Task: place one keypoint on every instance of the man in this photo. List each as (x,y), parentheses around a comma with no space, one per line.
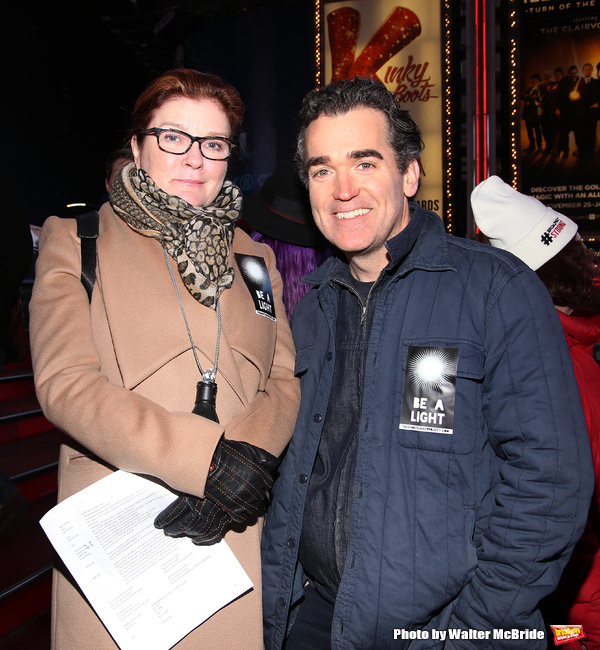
(547,109)
(569,106)
(532,99)
(587,118)
(439,473)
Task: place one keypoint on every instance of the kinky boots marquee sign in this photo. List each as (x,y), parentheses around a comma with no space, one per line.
(402,45)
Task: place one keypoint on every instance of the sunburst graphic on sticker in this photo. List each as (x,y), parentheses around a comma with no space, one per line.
(253,270)
(431,369)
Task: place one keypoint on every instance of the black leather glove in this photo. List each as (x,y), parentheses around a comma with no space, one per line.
(239,478)
(237,486)
(189,516)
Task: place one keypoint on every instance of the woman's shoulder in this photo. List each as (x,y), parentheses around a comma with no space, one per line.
(57,228)
(243,243)
(68,225)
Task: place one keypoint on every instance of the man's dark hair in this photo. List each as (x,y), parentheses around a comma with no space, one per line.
(345,95)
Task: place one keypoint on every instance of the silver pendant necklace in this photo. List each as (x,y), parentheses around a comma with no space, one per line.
(206,390)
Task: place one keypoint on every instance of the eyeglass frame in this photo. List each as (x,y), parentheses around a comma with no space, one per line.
(157,130)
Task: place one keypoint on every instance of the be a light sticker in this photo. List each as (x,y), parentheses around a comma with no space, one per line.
(429,390)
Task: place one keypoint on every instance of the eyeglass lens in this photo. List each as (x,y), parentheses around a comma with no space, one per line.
(179,143)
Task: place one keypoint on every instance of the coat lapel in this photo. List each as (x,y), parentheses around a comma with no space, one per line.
(143,312)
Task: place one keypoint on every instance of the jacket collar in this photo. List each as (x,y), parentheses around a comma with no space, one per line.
(423,244)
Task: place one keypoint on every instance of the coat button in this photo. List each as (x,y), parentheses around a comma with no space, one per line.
(291,543)
(303,478)
(329,356)
(281,602)
(317,417)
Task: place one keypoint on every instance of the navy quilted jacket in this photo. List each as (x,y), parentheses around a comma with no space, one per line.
(466,531)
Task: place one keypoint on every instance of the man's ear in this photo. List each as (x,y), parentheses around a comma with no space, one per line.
(411,178)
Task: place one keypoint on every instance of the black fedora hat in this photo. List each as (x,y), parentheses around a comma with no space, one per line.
(281,209)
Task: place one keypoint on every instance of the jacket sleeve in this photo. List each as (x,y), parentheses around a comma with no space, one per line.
(539,504)
(123,428)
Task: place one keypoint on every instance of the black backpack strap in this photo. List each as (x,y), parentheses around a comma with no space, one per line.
(87,231)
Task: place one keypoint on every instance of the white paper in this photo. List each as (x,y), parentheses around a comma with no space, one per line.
(149,590)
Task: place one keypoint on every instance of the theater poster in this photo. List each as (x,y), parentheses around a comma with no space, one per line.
(558,86)
(401,44)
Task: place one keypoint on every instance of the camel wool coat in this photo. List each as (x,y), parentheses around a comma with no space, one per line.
(118,377)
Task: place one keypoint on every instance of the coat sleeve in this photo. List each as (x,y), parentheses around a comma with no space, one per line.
(539,503)
(121,427)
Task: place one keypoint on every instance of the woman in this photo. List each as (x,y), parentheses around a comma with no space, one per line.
(118,375)
(549,244)
(573,282)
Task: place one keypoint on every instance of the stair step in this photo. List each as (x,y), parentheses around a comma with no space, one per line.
(26,458)
(16,379)
(16,387)
(12,368)
(25,549)
(34,634)
(40,486)
(21,416)
(26,558)
(21,406)
(25,606)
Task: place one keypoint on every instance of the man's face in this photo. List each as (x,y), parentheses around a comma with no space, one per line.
(574,73)
(587,70)
(358,196)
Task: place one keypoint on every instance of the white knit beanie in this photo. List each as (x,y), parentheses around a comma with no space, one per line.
(519,223)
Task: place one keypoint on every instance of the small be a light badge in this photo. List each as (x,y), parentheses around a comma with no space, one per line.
(256,276)
(565,633)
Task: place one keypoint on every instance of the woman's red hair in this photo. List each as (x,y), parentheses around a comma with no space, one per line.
(190,84)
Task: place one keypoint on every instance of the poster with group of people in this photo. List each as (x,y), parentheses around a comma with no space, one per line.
(399,43)
(559,92)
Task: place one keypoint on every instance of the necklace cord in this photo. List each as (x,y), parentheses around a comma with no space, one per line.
(211,373)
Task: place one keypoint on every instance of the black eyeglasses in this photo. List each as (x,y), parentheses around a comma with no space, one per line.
(179,142)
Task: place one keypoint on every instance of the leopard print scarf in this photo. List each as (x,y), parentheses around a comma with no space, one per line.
(198,239)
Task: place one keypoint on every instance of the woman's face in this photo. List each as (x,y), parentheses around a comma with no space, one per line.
(189,176)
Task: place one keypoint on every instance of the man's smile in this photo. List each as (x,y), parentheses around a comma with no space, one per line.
(351,215)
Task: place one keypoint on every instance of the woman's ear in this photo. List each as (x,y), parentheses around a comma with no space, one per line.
(135,148)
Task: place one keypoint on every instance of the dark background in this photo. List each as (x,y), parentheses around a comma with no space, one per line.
(72,70)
